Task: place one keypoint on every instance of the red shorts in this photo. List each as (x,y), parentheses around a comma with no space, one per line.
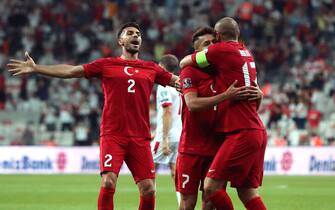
(240,159)
(134,151)
(191,171)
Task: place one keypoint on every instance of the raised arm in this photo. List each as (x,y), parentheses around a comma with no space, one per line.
(175,82)
(19,67)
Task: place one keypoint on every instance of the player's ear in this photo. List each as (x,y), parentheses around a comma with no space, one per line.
(120,41)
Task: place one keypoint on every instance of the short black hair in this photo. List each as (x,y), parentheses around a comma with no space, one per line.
(202,31)
(129,24)
(170,63)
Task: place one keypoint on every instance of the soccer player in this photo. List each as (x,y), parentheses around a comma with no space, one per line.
(125,135)
(166,141)
(241,156)
(198,142)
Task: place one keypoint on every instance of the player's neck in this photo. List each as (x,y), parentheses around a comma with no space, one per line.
(229,40)
(129,56)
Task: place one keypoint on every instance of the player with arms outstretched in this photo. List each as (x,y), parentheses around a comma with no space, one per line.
(198,142)
(240,159)
(127,82)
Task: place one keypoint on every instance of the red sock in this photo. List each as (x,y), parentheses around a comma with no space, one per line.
(255,204)
(105,201)
(147,203)
(221,200)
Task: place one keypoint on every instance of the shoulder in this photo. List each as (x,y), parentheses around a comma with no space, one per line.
(193,72)
(224,46)
(147,64)
(103,61)
(188,70)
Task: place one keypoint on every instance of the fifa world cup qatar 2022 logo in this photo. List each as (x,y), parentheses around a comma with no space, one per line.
(61,161)
(286,161)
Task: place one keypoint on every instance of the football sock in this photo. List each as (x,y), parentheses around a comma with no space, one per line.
(105,201)
(147,203)
(255,204)
(221,200)
(178,197)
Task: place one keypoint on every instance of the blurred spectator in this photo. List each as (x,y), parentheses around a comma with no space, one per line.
(81,135)
(28,135)
(2,91)
(66,118)
(50,142)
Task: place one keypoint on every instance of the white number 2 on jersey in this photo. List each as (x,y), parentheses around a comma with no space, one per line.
(108,160)
(131,86)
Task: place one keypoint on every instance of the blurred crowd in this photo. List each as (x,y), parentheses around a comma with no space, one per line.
(292,42)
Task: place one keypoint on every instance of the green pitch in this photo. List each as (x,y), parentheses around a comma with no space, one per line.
(79,192)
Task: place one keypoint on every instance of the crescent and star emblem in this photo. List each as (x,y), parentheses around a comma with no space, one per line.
(127,72)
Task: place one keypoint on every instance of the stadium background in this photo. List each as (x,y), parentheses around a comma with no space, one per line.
(292,42)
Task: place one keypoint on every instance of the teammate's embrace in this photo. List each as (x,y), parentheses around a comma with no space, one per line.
(240,159)
(198,142)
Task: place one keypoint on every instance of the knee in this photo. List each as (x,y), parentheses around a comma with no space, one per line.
(246,195)
(188,203)
(187,207)
(109,180)
(147,189)
(209,188)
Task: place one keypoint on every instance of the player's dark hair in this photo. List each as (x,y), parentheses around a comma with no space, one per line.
(129,24)
(170,63)
(202,31)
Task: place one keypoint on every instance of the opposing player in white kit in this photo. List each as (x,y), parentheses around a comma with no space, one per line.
(166,141)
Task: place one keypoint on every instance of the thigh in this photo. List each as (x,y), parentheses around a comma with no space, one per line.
(112,154)
(236,157)
(139,159)
(189,173)
(255,175)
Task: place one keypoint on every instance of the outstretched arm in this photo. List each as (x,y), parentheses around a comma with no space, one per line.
(175,82)
(19,67)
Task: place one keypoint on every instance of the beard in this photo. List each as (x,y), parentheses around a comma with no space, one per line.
(131,50)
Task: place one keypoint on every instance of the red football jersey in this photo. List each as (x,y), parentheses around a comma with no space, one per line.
(197,136)
(233,62)
(126,85)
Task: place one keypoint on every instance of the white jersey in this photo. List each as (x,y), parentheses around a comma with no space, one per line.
(168,96)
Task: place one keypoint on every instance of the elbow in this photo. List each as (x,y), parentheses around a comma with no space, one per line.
(192,107)
(182,64)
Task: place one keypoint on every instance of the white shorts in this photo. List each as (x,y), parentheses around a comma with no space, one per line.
(159,157)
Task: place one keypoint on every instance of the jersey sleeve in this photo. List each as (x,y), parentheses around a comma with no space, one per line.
(164,96)
(188,81)
(94,69)
(209,56)
(163,77)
